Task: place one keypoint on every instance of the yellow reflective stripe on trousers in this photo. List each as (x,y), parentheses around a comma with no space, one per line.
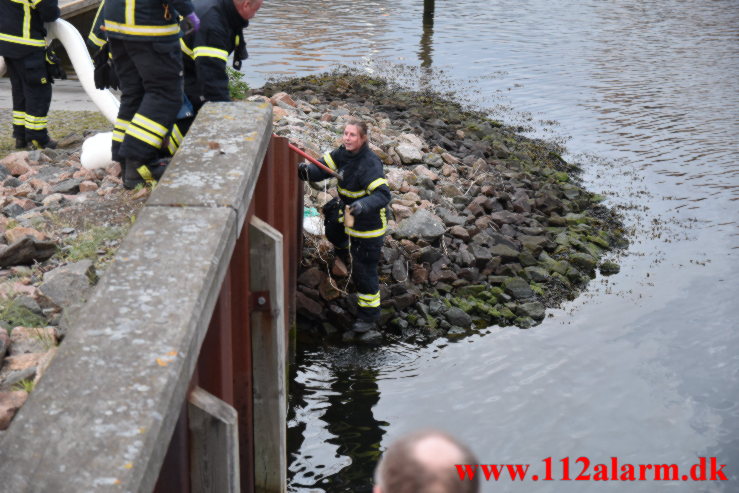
(19,118)
(375,184)
(144,136)
(175,139)
(330,161)
(120,129)
(372,233)
(36,122)
(186,49)
(23,41)
(350,194)
(149,125)
(201,51)
(134,30)
(368,300)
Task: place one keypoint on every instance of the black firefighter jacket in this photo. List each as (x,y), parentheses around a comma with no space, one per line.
(144,20)
(362,178)
(22,25)
(206,52)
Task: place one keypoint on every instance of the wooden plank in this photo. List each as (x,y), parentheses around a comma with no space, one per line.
(214,444)
(268,353)
(71,8)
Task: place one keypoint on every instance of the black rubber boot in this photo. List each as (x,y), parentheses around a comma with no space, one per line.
(20,143)
(131,176)
(49,144)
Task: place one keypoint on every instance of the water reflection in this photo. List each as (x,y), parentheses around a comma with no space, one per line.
(424,54)
(333,436)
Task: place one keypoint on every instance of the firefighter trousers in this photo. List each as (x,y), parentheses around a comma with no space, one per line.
(365,257)
(31,92)
(150,77)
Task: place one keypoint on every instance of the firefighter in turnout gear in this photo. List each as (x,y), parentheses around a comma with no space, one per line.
(364,193)
(22,45)
(206,52)
(144,41)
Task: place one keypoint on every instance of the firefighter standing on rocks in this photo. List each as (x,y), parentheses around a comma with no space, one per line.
(22,45)
(364,193)
(144,40)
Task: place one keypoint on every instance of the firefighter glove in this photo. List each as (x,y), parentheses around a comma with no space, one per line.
(304,171)
(191,22)
(357,208)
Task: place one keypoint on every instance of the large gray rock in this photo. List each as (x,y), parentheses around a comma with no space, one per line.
(10,402)
(32,340)
(518,288)
(457,317)
(372,337)
(69,283)
(584,261)
(421,225)
(504,251)
(307,307)
(25,251)
(408,153)
(532,309)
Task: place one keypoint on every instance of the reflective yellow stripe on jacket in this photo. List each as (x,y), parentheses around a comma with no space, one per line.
(135,30)
(186,49)
(209,51)
(330,161)
(372,233)
(28,41)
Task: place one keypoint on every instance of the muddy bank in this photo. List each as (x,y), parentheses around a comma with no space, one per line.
(486,227)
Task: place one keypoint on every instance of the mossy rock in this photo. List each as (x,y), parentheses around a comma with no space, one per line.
(472,290)
(609,268)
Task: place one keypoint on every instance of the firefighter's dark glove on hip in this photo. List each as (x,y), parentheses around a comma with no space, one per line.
(304,171)
(358,208)
(191,23)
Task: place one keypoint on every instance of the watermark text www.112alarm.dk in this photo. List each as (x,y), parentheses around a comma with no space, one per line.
(582,469)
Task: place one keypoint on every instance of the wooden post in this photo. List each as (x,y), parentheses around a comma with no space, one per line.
(214,449)
(268,353)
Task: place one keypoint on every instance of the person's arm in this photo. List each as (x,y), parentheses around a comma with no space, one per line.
(210,50)
(311,172)
(48,10)
(183,7)
(96,39)
(379,196)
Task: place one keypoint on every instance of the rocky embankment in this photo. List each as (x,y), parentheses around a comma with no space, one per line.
(59,224)
(486,227)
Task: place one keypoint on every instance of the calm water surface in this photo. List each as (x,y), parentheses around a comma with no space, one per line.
(644,366)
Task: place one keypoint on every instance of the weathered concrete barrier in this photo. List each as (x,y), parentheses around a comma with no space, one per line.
(102,417)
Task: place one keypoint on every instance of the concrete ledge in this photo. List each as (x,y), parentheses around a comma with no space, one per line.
(204,172)
(102,417)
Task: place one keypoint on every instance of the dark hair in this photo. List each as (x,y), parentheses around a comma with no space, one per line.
(400,471)
(360,124)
